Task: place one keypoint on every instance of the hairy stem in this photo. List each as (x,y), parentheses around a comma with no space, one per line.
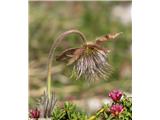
(52,52)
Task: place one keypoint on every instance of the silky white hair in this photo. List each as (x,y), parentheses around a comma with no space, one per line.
(93,66)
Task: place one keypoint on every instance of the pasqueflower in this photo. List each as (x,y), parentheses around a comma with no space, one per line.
(91,60)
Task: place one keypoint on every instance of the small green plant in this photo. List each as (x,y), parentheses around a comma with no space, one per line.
(120,108)
(90,62)
(68,112)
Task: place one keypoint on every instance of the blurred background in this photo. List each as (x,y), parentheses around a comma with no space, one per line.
(49,19)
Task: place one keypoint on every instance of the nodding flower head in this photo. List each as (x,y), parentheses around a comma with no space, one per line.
(91,60)
(92,63)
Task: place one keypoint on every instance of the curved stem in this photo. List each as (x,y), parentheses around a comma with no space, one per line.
(52,51)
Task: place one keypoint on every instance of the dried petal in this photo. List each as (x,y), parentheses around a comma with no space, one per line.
(104,38)
(77,53)
(68,53)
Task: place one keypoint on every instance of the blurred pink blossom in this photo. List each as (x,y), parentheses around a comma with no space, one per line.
(115,95)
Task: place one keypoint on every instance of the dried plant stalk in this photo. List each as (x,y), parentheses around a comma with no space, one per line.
(52,52)
(90,60)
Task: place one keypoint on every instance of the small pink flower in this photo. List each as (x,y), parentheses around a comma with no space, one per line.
(115,95)
(116,109)
(34,113)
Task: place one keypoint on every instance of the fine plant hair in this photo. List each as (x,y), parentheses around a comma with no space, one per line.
(46,105)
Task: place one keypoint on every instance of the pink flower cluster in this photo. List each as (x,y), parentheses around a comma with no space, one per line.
(115,95)
(116,109)
(34,113)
